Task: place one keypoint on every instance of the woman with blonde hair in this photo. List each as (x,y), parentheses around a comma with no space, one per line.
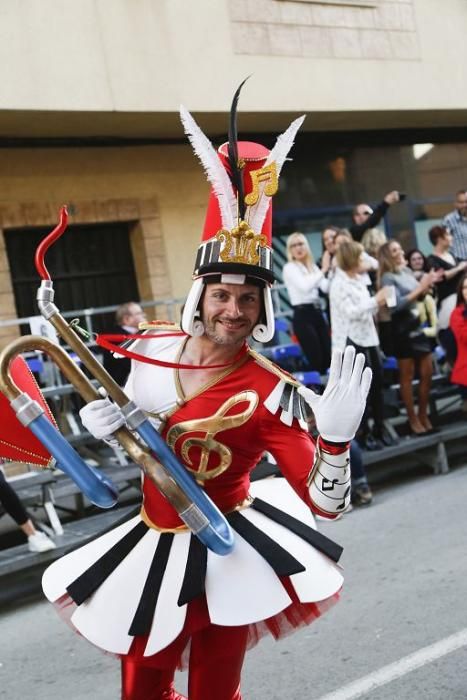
(352,323)
(372,240)
(410,345)
(303,280)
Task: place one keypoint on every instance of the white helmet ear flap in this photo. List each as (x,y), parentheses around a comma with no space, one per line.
(191,324)
(263,332)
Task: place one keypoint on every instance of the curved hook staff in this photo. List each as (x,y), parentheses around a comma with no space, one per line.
(49,240)
(192,504)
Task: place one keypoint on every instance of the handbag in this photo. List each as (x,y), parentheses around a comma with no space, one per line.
(407,329)
(405,322)
(420,343)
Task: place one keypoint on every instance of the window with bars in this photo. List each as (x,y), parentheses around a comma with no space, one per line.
(91,266)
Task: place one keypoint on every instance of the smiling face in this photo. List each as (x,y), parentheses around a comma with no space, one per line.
(361,213)
(397,254)
(329,240)
(445,241)
(416,261)
(298,248)
(230,312)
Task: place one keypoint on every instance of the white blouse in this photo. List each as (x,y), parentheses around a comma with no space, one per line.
(302,284)
(352,310)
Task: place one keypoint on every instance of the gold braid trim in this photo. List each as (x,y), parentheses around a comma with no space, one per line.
(246,503)
(273,368)
(45,463)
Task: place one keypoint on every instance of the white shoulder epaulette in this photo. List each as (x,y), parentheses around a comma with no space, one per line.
(285,394)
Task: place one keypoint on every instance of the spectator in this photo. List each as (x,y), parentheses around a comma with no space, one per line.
(128,316)
(410,345)
(417,263)
(352,323)
(360,494)
(327,264)
(368,265)
(328,239)
(364,217)
(456,223)
(37,541)
(446,289)
(303,280)
(343,235)
(372,240)
(458,326)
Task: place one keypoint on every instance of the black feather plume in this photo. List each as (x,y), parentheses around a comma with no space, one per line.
(235,171)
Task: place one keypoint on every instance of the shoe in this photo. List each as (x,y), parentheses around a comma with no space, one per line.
(362,496)
(385,437)
(372,444)
(39,542)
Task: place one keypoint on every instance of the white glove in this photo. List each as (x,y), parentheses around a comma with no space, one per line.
(101,418)
(339,410)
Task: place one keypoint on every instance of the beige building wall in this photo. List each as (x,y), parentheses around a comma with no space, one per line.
(100,68)
(125,65)
(160,190)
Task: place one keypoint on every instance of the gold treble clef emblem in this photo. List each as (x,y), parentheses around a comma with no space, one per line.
(210,426)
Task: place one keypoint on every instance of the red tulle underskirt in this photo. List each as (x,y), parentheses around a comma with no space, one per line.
(295,616)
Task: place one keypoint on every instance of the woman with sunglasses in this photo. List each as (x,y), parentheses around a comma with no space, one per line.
(303,280)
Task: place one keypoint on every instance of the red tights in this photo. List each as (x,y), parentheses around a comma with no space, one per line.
(216,659)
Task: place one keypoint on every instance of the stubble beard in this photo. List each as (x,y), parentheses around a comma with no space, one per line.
(211,332)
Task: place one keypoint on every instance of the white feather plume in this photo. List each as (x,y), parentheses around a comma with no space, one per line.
(215,171)
(284,143)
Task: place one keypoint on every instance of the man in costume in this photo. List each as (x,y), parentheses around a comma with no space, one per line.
(148,590)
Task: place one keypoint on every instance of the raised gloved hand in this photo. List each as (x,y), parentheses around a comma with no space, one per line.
(339,410)
(101,418)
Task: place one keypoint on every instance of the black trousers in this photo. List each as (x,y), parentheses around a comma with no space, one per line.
(312,332)
(375,396)
(11,502)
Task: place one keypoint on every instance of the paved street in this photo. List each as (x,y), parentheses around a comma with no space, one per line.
(399,632)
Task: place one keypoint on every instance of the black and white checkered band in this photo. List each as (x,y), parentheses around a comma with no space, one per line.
(208,260)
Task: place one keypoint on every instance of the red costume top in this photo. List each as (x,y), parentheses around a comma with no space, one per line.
(150,582)
(458,325)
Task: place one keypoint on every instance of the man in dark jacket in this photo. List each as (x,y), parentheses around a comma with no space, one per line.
(364,217)
(127,318)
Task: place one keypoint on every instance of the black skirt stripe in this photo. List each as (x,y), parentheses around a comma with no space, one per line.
(296,410)
(319,541)
(142,620)
(283,563)
(285,398)
(194,581)
(90,580)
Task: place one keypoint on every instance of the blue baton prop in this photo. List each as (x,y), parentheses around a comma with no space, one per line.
(98,488)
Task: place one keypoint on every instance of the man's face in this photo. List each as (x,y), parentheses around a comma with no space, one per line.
(362,212)
(134,317)
(461,203)
(230,312)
